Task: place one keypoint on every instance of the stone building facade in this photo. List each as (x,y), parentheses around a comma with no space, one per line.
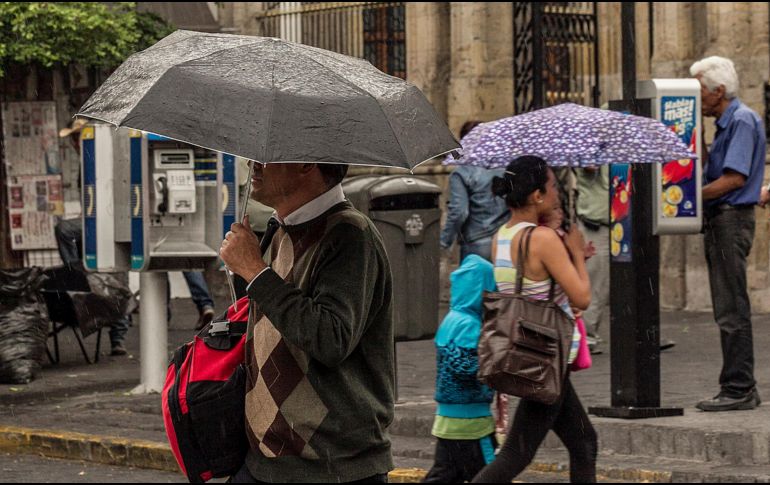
(461,55)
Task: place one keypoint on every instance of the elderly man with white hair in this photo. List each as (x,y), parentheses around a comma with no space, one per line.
(732,188)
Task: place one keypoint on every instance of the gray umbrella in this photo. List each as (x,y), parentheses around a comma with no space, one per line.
(273,101)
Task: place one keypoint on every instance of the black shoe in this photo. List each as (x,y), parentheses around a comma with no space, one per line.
(724,403)
(206,316)
(118,350)
(668,344)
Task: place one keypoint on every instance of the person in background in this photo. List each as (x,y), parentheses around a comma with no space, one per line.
(473,213)
(765,197)
(732,189)
(463,425)
(593,211)
(69,239)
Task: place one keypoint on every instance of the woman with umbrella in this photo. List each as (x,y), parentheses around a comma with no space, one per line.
(530,190)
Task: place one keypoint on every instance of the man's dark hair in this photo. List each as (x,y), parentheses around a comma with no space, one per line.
(333,173)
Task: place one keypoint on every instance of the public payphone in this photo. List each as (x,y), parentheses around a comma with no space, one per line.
(151,203)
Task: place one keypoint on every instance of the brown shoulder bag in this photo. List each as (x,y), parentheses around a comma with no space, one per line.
(524,345)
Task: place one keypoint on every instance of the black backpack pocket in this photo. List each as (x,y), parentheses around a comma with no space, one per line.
(218,423)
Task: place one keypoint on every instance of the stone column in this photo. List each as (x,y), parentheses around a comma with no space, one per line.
(481,85)
(428,55)
(608,23)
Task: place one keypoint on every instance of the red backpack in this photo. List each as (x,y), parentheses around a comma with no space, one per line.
(204,397)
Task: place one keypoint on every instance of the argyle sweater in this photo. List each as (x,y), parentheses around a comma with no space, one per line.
(320,390)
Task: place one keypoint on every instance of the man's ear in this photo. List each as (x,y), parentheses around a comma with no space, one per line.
(720,90)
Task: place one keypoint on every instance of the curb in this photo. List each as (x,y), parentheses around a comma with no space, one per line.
(157,456)
(622,474)
(25,396)
(98,449)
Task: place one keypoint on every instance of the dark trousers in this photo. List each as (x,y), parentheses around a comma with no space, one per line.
(69,237)
(729,235)
(458,461)
(533,420)
(244,476)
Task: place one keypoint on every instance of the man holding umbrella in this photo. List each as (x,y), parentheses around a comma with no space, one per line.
(320,393)
(320,354)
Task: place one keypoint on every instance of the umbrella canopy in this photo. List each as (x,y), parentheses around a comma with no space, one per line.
(570,135)
(272,101)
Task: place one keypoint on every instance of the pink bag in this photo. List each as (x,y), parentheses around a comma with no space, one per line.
(583,360)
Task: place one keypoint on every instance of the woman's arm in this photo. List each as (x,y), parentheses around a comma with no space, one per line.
(568,268)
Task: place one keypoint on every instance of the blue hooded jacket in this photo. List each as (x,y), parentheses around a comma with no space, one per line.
(458,392)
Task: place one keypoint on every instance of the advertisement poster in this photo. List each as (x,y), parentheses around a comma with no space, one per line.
(621,226)
(678,181)
(30,137)
(33,203)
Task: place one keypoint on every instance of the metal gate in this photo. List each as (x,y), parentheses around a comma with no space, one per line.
(375,31)
(555,54)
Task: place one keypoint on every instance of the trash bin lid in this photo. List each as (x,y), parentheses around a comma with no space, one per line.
(401,185)
(355,185)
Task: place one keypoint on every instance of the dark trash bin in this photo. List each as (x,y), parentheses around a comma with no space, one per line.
(405,209)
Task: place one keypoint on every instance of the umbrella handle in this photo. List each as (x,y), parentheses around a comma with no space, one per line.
(231,284)
(242,215)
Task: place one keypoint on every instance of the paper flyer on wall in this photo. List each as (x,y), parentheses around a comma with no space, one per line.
(34,201)
(30,138)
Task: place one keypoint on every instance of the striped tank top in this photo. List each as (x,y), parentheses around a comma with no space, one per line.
(505,277)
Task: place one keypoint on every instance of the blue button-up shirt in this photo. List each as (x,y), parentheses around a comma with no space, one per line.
(739,145)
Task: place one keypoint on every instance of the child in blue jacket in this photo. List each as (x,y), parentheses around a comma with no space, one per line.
(464,424)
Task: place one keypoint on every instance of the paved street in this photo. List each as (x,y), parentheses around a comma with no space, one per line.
(94,400)
(35,469)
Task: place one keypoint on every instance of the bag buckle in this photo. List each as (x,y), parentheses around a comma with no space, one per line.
(219,328)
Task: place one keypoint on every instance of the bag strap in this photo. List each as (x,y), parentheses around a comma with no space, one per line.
(523,254)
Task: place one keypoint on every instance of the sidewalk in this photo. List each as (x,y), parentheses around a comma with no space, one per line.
(83,412)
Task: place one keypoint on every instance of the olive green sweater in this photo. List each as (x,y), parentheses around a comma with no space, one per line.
(320,392)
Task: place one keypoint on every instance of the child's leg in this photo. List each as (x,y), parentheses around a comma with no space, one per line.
(460,460)
(444,469)
(476,456)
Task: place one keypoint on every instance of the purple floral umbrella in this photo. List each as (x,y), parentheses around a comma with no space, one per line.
(570,135)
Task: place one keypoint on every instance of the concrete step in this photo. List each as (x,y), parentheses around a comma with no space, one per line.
(610,467)
(736,439)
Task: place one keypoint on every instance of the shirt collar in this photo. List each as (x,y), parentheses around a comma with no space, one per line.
(315,207)
(727,116)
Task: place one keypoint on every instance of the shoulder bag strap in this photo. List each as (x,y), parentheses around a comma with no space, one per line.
(520,264)
(523,254)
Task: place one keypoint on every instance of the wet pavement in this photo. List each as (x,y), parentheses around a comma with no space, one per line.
(95,399)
